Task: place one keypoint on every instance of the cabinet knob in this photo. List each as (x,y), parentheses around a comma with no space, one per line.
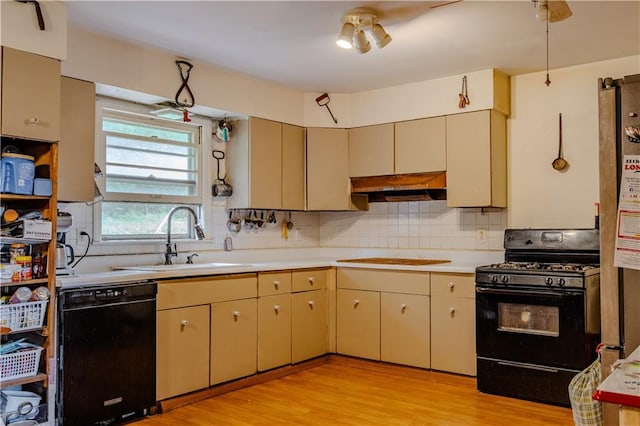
(276,284)
(276,308)
(32,120)
(184,323)
(310,279)
(311,303)
(236,314)
(451,285)
(356,302)
(452,310)
(403,307)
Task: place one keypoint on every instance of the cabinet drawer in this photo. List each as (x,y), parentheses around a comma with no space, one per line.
(458,285)
(384,280)
(309,279)
(270,283)
(203,290)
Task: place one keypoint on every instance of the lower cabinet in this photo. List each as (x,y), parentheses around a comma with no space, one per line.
(274,331)
(309,324)
(234,335)
(404,329)
(182,346)
(358,323)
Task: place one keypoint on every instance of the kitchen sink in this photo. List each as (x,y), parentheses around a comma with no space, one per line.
(181,266)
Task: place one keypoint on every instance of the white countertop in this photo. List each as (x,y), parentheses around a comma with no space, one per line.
(459,264)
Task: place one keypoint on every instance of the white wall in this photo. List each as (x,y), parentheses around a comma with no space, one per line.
(540,196)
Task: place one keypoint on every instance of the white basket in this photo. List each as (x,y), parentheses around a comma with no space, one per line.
(23,316)
(20,364)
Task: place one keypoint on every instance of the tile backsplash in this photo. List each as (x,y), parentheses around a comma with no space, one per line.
(403,225)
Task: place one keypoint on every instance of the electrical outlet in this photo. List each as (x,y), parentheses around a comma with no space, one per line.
(79,232)
(481,235)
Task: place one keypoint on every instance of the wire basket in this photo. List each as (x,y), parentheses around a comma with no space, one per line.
(20,364)
(23,316)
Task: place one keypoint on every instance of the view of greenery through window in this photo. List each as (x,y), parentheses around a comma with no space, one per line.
(146,159)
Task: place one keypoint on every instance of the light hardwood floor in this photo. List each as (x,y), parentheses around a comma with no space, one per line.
(348,391)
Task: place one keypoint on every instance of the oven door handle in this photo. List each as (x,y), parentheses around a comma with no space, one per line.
(529,366)
(560,293)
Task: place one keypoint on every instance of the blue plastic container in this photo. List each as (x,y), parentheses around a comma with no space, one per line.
(18,172)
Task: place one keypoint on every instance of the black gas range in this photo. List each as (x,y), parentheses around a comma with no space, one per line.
(538,313)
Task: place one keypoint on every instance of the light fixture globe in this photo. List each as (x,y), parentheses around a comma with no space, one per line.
(346,36)
(362,45)
(380,35)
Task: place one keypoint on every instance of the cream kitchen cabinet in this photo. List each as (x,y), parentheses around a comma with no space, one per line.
(383,315)
(371,150)
(453,331)
(404,329)
(328,184)
(182,350)
(309,314)
(421,146)
(77,136)
(476,159)
(274,319)
(234,336)
(266,164)
(358,323)
(30,96)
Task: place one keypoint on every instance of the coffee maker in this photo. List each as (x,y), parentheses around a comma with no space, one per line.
(64,252)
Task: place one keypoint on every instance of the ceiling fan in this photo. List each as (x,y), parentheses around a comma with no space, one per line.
(552,10)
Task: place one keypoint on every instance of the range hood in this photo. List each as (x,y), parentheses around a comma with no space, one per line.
(405,187)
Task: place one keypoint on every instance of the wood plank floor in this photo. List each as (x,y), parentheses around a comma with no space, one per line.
(347,391)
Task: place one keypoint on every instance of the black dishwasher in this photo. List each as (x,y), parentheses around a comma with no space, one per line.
(106,353)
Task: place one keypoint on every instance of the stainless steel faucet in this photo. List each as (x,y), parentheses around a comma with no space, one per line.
(173,252)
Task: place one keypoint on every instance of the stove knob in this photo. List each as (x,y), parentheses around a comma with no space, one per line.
(561,282)
(505,278)
(548,281)
(494,279)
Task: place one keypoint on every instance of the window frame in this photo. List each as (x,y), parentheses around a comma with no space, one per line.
(133,111)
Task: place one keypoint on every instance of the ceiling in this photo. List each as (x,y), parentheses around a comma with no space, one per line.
(292,43)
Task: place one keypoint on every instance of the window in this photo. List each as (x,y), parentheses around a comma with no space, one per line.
(150,165)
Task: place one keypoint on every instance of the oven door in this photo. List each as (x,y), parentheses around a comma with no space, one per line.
(533,325)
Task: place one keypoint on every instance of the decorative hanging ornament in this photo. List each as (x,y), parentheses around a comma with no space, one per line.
(189,100)
(463,96)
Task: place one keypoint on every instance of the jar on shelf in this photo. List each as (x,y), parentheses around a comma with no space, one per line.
(16,250)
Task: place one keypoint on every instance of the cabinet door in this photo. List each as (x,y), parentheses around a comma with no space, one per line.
(265,172)
(404,329)
(476,159)
(421,146)
(453,335)
(309,329)
(293,162)
(371,150)
(30,96)
(358,323)
(234,335)
(182,351)
(274,331)
(77,140)
(328,184)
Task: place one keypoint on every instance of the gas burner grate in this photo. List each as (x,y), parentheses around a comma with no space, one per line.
(536,266)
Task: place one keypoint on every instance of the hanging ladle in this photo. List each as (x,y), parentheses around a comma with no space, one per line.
(559,163)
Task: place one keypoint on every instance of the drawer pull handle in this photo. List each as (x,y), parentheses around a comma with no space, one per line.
(184,323)
(236,314)
(310,279)
(311,303)
(276,308)
(452,310)
(403,308)
(451,285)
(276,283)
(356,302)
(33,120)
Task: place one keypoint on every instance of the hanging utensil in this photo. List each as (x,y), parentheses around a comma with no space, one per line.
(323,100)
(220,187)
(289,223)
(233,224)
(464,94)
(559,163)
(38,12)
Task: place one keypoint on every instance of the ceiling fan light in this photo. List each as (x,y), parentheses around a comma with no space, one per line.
(380,36)
(346,36)
(362,45)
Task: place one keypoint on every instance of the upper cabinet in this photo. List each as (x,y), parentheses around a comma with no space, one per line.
(266,163)
(21,27)
(328,184)
(77,134)
(371,150)
(477,159)
(421,146)
(30,96)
